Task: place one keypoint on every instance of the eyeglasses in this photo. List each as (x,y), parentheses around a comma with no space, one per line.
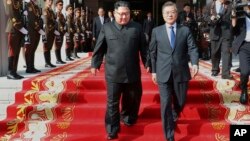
(123,14)
(170,13)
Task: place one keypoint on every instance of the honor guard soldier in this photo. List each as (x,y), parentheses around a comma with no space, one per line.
(69,32)
(49,19)
(83,24)
(78,34)
(35,30)
(60,21)
(16,31)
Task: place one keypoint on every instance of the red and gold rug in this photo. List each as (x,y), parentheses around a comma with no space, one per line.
(68,104)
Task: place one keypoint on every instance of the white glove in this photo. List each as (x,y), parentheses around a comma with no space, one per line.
(25,13)
(23,30)
(41,32)
(56,33)
(27,1)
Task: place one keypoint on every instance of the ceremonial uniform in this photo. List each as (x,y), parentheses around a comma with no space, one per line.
(15,36)
(61,22)
(49,19)
(33,27)
(69,36)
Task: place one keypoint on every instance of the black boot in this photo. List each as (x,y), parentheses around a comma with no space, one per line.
(68,56)
(11,71)
(58,57)
(47,60)
(244,97)
(75,54)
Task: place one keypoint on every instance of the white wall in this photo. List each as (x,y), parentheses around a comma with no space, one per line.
(3,41)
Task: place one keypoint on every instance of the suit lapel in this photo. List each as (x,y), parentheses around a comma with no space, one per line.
(165,35)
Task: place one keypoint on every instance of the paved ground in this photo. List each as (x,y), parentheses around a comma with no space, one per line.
(9,87)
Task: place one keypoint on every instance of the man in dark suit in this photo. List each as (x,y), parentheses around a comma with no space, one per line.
(148,25)
(98,22)
(121,42)
(186,17)
(218,16)
(241,44)
(170,47)
(110,16)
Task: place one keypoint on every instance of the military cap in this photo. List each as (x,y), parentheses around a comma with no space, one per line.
(77,9)
(69,6)
(59,1)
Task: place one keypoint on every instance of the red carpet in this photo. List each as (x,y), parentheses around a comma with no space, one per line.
(68,104)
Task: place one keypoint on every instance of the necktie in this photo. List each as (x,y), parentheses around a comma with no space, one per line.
(172,36)
(221,9)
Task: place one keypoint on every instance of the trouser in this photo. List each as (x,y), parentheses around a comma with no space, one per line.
(131,98)
(58,46)
(221,48)
(14,45)
(48,46)
(30,49)
(172,97)
(244,58)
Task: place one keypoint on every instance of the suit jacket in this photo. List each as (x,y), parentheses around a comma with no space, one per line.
(223,27)
(148,26)
(97,25)
(122,49)
(165,60)
(240,33)
(15,21)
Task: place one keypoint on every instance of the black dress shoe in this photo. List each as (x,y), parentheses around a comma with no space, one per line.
(49,65)
(237,70)
(36,70)
(227,77)
(244,98)
(13,77)
(69,59)
(31,71)
(215,73)
(112,136)
(60,62)
(19,76)
(171,139)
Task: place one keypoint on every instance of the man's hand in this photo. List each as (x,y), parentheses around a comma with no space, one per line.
(93,39)
(154,78)
(94,70)
(194,70)
(56,33)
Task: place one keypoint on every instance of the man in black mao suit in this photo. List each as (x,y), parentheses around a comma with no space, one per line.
(170,47)
(98,22)
(241,46)
(218,16)
(121,41)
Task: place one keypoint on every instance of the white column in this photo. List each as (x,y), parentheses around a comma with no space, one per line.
(3,43)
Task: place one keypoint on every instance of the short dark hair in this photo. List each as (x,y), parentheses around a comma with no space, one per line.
(168,3)
(122,4)
(187,4)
